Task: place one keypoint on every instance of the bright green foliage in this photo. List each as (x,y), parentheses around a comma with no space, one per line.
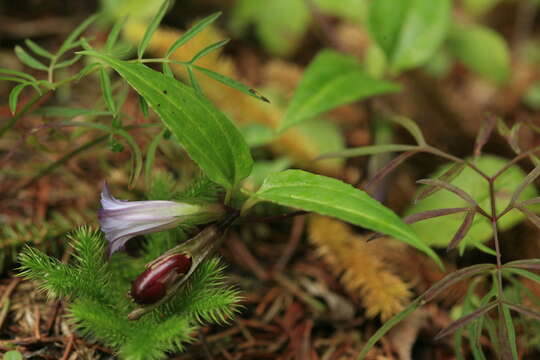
(353,10)
(99,308)
(332,79)
(481,49)
(225,158)
(409,31)
(331,197)
(13,355)
(279,24)
(440,230)
(479,7)
(98,287)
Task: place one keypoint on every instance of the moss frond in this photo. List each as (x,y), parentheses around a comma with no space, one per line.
(206,298)
(36,265)
(362,271)
(100,305)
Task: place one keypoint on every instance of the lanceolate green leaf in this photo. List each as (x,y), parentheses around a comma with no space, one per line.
(409,31)
(328,196)
(332,79)
(208,136)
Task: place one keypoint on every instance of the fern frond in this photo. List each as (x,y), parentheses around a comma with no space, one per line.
(361,271)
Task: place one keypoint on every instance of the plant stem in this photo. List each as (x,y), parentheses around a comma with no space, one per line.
(23,111)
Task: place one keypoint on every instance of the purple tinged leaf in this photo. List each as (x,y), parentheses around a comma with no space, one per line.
(526,182)
(529,214)
(391,165)
(465,320)
(447,176)
(462,231)
(523,310)
(484,134)
(513,138)
(453,278)
(367,150)
(533,264)
(462,194)
(429,214)
(532,201)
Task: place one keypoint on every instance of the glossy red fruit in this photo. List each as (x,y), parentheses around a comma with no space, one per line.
(151,286)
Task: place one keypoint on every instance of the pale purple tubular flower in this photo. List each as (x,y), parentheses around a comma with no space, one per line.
(122,220)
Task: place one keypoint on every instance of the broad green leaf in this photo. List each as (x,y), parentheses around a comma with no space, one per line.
(531,98)
(134,10)
(152,27)
(409,31)
(28,59)
(353,10)
(257,134)
(479,7)
(482,50)
(14,97)
(439,231)
(13,355)
(327,196)
(322,136)
(332,79)
(194,30)
(207,135)
(279,24)
(261,170)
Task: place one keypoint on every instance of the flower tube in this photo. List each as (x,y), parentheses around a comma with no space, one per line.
(122,220)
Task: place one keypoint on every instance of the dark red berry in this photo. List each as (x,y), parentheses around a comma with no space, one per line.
(151,286)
